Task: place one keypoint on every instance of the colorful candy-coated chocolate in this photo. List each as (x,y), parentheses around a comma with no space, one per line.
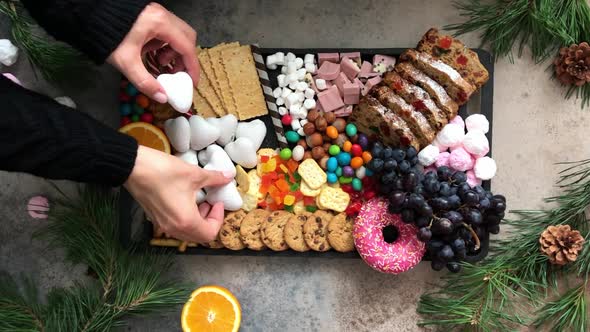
(347,188)
(131,90)
(368,172)
(332,164)
(361,172)
(332,132)
(285,154)
(125,121)
(347,171)
(363,141)
(356,150)
(369,194)
(334,150)
(135,118)
(292,137)
(123,97)
(357,184)
(332,178)
(343,158)
(367,157)
(345,179)
(353,209)
(286,120)
(142,101)
(350,130)
(124,109)
(147,117)
(138,110)
(346,146)
(356,162)
(339,171)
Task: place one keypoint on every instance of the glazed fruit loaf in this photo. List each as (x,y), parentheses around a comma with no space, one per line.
(452,52)
(374,119)
(435,90)
(417,123)
(457,87)
(418,98)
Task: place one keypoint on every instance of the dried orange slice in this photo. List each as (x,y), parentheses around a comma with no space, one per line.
(147,135)
(211,308)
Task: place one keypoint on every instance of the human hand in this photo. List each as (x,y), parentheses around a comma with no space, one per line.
(166,188)
(155,28)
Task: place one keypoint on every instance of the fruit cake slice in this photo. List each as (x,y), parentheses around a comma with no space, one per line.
(415,120)
(457,87)
(435,90)
(374,119)
(452,52)
(417,97)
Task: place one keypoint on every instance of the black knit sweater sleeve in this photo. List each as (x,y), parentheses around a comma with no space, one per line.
(95,27)
(44,138)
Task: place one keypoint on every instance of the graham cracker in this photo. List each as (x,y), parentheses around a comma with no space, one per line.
(217,61)
(243,80)
(202,106)
(207,91)
(207,69)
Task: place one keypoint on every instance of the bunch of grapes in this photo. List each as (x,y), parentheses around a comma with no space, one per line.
(451,216)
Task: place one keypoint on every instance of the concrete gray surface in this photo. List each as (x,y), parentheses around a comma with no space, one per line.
(534,128)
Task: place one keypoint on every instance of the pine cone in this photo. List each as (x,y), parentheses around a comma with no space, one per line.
(561,244)
(572,66)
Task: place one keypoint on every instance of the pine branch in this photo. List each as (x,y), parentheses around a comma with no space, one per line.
(19,311)
(568,313)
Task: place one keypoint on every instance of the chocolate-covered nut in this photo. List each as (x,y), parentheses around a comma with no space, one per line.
(341,139)
(321,124)
(312,115)
(303,143)
(318,152)
(324,162)
(330,117)
(315,140)
(326,138)
(354,139)
(340,125)
(307,155)
(326,146)
(309,128)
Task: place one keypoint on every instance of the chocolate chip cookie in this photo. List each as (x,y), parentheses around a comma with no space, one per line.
(215,244)
(315,231)
(294,231)
(230,230)
(272,229)
(340,233)
(250,229)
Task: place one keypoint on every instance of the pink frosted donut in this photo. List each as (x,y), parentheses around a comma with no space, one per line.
(399,256)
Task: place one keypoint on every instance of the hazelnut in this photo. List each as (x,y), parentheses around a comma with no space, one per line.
(321,124)
(354,139)
(327,146)
(340,125)
(309,128)
(303,143)
(330,117)
(313,115)
(315,140)
(307,155)
(341,139)
(318,152)
(324,162)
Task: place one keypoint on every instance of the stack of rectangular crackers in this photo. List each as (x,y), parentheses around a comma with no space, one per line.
(229,83)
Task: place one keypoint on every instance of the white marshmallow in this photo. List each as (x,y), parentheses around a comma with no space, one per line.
(277,92)
(271,60)
(427,156)
(310,68)
(321,84)
(286,93)
(290,57)
(298,152)
(295,124)
(301,74)
(477,122)
(300,132)
(441,147)
(300,96)
(309,104)
(451,135)
(301,86)
(281,79)
(291,78)
(293,85)
(309,58)
(272,67)
(296,111)
(283,111)
(298,63)
(291,67)
(303,122)
(485,168)
(476,143)
(8,52)
(291,100)
(280,101)
(280,58)
(284,70)
(309,93)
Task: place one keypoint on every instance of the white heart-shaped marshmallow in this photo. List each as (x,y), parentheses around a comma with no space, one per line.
(227,125)
(202,133)
(203,157)
(189,156)
(179,89)
(254,130)
(242,152)
(201,196)
(220,161)
(228,194)
(178,131)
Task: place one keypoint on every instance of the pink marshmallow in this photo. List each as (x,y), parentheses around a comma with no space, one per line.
(476,143)
(12,78)
(332,57)
(477,122)
(472,180)
(485,168)
(460,160)
(458,120)
(451,135)
(442,159)
(328,71)
(350,68)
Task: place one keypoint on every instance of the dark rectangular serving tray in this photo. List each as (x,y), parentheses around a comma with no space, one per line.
(481,102)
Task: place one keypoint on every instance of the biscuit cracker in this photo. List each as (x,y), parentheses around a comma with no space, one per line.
(312,173)
(333,199)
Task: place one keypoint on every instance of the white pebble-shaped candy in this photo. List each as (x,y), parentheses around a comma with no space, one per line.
(303,122)
(283,111)
(301,86)
(295,124)
(301,132)
(309,93)
(476,143)
(291,99)
(290,57)
(280,101)
(451,135)
(300,96)
(309,58)
(291,67)
(280,58)
(361,172)
(286,92)
(284,70)
(202,157)
(309,104)
(297,153)
(281,79)
(428,155)
(310,68)
(277,92)
(293,85)
(485,168)
(299,63)
(321,84)
(301,74)
(477,122)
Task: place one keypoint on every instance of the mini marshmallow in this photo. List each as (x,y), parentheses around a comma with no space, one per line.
(279,101)
(281,79)
(451,135)
(291,67)
(321,84)
(485,168)
(476,143)
(460,160)
(299,63)
(458,120)
(309,104)
(286,92)
(309,93)
(271,61)
(283,111)
(301,74)
(477,122)
(291,99)
(310,68)
(301,132)
(295,124)
(472,180)
(300,96)
(277,92)
(296,111)
(427,156)
(293,85)
(309,58)
(272,67)
(442,159)
(303,122)
(284,70)
(291,78)
(290,57)
(280,58)
(301,86)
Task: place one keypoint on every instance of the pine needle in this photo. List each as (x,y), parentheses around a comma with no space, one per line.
(568,313)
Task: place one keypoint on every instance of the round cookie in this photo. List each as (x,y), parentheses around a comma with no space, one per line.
(272,229)
(250,229)
(294,231)
(340,233)
(315,231)
(230,230)
(215,244)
